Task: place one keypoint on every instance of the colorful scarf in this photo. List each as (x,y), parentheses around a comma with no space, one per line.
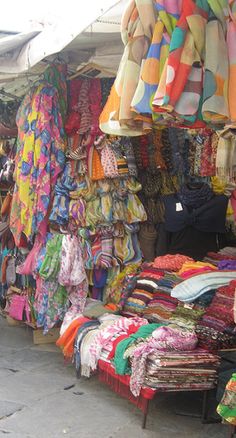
(226,156)
(231,38)
(39,159)
(227,407)
(215,90)
(137,27)
(180,86)
(152,68)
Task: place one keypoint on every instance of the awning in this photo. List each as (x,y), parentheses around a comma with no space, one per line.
(20,52)
(92,34)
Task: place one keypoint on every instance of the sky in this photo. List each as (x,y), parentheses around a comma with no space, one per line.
(20,15)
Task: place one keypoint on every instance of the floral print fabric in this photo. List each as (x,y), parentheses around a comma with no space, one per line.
(39,160)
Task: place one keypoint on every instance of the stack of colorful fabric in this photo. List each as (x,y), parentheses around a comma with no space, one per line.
(151,295)
(186,315)
(227,253)
(187,370)
(217,328)
(160,307)
(192,268)
(145,287)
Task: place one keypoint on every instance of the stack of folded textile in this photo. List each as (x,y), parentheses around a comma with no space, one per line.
(192,268)
(227,253)
(186,315)
(151,295)
(160,307)
(217,328)
(181,371)
(146,285)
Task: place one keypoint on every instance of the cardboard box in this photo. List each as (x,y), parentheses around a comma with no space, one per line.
(50,338)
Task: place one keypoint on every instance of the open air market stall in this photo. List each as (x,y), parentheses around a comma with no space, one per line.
(120,222)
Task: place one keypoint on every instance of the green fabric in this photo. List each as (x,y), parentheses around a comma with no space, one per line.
(227,407)
(121,364)
(51,263)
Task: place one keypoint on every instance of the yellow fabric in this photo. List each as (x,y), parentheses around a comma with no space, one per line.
(194,265)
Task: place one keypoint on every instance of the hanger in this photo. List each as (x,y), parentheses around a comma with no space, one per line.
(91,67)
(10,95)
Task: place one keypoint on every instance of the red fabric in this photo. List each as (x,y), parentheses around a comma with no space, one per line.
(119,383)
(74,90)
(132,329)
(220,256)
(171,262)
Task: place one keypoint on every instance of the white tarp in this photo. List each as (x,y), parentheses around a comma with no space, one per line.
(20,52)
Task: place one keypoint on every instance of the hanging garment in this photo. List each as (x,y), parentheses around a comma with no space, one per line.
(72,271)
(109,163)
(152,67)
(215,107)
(180,86)
(39,159)
(52,261)
(192,223)
(56,76)
(231,38)
(226,155)
(60,208)
(137,27)
(208,216)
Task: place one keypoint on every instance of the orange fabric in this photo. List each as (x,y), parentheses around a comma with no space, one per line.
(111,306)
(97,169)
(4,269)
(6,205)
(66,340)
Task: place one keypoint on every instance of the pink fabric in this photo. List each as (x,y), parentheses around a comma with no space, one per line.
(104,336)
(164,338)
(72,271)
(28,267)
(109,163)
(192,272)
(171,262)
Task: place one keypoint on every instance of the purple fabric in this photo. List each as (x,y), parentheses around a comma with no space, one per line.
(229,265)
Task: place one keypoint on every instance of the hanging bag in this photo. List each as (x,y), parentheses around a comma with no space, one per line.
(19,308)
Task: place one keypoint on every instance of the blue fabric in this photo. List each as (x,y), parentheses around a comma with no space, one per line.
(82,331)
(194,287)
(209,217)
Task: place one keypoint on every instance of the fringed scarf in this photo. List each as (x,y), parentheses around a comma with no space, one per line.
(226,155)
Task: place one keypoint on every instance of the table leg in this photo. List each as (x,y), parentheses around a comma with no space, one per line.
(145,415)
(204,406)
(232,431)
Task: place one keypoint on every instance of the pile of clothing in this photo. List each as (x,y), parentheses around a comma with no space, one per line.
(161,356)
(216,329)
(192,370)
(151,294)
(223,259)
